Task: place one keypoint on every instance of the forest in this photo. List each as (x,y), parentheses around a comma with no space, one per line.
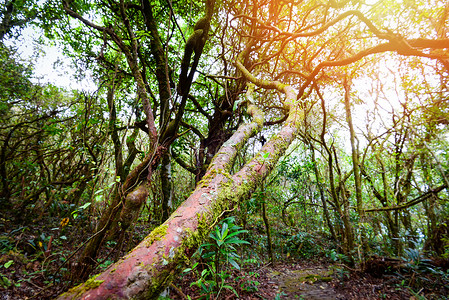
(225,149)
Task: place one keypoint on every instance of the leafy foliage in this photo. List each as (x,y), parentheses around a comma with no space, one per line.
(219,257)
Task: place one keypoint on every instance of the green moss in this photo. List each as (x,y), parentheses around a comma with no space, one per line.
(156,235)
(188,242)
(253,110)
(193,239)
(204,182)
(222,172)
(90,284)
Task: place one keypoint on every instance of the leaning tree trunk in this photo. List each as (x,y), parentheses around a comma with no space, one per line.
(149,267)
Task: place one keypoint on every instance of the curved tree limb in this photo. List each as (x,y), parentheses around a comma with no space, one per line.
(415,201)
(401,46)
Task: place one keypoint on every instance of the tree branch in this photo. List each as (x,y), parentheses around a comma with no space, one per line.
(415,201)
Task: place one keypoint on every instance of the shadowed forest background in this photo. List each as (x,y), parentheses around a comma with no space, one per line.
(216,140)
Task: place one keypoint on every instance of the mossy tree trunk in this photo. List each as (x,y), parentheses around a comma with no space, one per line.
(149,267)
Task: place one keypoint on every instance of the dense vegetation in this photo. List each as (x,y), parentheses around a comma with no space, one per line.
(225,133)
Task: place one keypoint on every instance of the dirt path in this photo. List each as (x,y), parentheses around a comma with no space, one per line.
(294,281)
(308,280)
(311,283)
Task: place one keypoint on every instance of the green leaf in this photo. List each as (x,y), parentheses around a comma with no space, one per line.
(237,232)
(224,230)
(234,264)
(8,264)
(232,289)
(86,205)
(237,241)
(4,282)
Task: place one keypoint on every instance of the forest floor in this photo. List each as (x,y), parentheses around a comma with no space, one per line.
(31,267)
(314,280)
(303,279)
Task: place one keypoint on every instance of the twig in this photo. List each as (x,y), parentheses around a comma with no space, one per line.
(221,215)
(41,291)
(346,267)
(178,291)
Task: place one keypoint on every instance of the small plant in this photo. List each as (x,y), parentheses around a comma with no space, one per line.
(6,244)
(279,295)
(422,274)
(219,254)
(332,255)
(103,264)
(248,282)
(416,262)
(5,282)
(342,273)
(223,240)
(80,210)
(303,245)
(204,282)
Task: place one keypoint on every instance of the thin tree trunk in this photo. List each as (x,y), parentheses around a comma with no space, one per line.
(356,172)
(166,186)
(348,244)
(355,153)
(322,197)
(267,227)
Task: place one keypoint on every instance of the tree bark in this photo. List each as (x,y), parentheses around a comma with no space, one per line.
(166,187)
(267,228)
